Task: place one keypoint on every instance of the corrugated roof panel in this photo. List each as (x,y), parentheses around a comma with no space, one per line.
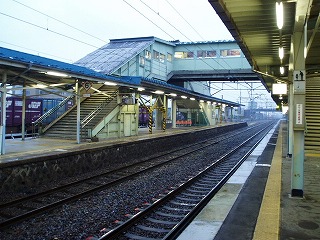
(13,56)
(112,56)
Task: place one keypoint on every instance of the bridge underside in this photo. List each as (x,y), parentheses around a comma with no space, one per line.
(234,75)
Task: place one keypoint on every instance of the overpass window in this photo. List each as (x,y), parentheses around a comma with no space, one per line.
(148,54)
(230,53)
(155,55)
(162,57)
(142,60)
(201,54)
(184,55)
(169,57)
(211,54)
(206,54)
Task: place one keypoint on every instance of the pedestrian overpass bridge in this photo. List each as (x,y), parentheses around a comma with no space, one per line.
(179,63)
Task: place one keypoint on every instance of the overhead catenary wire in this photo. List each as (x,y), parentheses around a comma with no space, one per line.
(55,32)
(66,24)
(38,52)
(183,18)
(38,26)
(148,19)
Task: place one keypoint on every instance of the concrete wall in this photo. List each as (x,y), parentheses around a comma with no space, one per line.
(23,174)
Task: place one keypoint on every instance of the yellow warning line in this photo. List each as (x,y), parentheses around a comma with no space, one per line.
(312,154)
(268,223)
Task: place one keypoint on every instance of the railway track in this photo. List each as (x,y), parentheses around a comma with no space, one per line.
(21,209)
(167,217)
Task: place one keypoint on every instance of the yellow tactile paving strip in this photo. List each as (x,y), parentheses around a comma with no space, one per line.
(311,154)
(268,223)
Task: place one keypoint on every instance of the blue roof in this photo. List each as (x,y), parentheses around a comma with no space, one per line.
(51,64)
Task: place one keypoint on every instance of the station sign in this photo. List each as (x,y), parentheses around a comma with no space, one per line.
(86,85)
(299,81)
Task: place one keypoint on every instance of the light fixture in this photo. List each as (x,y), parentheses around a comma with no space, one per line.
(141,89)
(184,97)
(208,102)
(279,12)
(201,101)
(39,85)
(192,98)
(159,92)
(281,70)
(56,74)
(281,52)
(109,83)
(173,94)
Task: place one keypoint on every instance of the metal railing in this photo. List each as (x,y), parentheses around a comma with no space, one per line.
(54,110)
(87,119)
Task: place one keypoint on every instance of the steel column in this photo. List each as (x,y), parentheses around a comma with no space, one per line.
(297,174)
(174,113)
(290,120)
(3,112)
(23,119)
(78,111)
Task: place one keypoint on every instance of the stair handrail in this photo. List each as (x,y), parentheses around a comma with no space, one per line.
(52,111)
(87,119)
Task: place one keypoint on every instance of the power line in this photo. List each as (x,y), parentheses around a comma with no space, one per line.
(60,21)
(58,32)
(69,60)
(148,19)
(183,18)
(35,25)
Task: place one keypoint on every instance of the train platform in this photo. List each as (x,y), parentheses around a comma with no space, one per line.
(255,203)
(17,149)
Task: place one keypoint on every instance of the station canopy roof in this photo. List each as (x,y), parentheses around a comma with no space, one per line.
(23,66)
(253,24)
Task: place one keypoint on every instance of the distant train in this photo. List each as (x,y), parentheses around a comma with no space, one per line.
(143,117)
(35,107)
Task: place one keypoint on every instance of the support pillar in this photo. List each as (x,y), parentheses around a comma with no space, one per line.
(78,111)
(290,120)
(23,114)
(164,113)
(3,112)
(174,113)
(220,114)
(137,112)
(150,112)
(231,114)
(158,119)
(214,120)
(299,84)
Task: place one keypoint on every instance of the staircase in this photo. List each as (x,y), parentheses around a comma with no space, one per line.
(66,127)
(312,137)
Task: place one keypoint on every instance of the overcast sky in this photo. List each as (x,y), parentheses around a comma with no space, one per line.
(37,32)
(67,30)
